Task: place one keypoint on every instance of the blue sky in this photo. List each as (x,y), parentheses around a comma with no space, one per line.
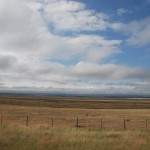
(134,10)
(75,46)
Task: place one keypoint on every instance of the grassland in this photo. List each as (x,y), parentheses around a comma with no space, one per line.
(42,138)
(76,102)
(39,135)
(65,111)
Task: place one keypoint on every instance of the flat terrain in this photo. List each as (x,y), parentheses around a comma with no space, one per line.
(44,138)
(73,123)
(76,102)
(91,112)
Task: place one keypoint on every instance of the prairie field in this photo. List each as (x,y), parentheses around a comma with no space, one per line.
(43,138)
(90,112)
(73,123)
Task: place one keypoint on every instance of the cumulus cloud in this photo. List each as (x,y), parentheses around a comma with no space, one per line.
(109,71)
(34,33)
(25,30)
(93,47)
(77,17)
(138,31)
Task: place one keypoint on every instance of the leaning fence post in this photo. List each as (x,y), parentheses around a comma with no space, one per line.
(52,121)
(77,124)
(27,120)
(1,119)
(146,123)
(101,124)
(124,124)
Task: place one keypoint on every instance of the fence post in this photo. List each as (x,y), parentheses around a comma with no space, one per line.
(124,124)
(27,120)
(1,119)
(146,123)
(101,124)
(52,121)
(77,123)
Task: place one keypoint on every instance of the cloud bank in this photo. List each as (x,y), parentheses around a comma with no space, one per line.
(53,45)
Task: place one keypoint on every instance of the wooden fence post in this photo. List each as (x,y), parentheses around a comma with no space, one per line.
(1,119)
(27,120)
(77,123)
(124,124)
(52,121)
(101,124)
(146,123)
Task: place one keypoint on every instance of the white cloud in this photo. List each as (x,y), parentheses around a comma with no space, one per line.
(29,34)
(67,15)
(6,61)
(109,71)
(33,32)
(93,47)
(40,71)
(138,31)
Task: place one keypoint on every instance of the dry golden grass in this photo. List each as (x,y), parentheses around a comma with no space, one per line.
(76,102)
(66,117)
(39,135)
(43,138)
(66,110)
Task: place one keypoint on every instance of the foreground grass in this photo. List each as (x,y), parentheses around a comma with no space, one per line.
(44,138)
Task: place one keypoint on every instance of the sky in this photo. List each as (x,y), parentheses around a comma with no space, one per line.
(75,46)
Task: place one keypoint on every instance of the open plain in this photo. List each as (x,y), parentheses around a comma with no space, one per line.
(57,123)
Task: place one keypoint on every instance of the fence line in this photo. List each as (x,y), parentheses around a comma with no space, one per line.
(99,123)
(27,120)
(146,124)
(52,121)
(1,119)
(124,124)
(77,123)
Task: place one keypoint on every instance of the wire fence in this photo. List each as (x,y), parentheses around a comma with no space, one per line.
(79,122)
